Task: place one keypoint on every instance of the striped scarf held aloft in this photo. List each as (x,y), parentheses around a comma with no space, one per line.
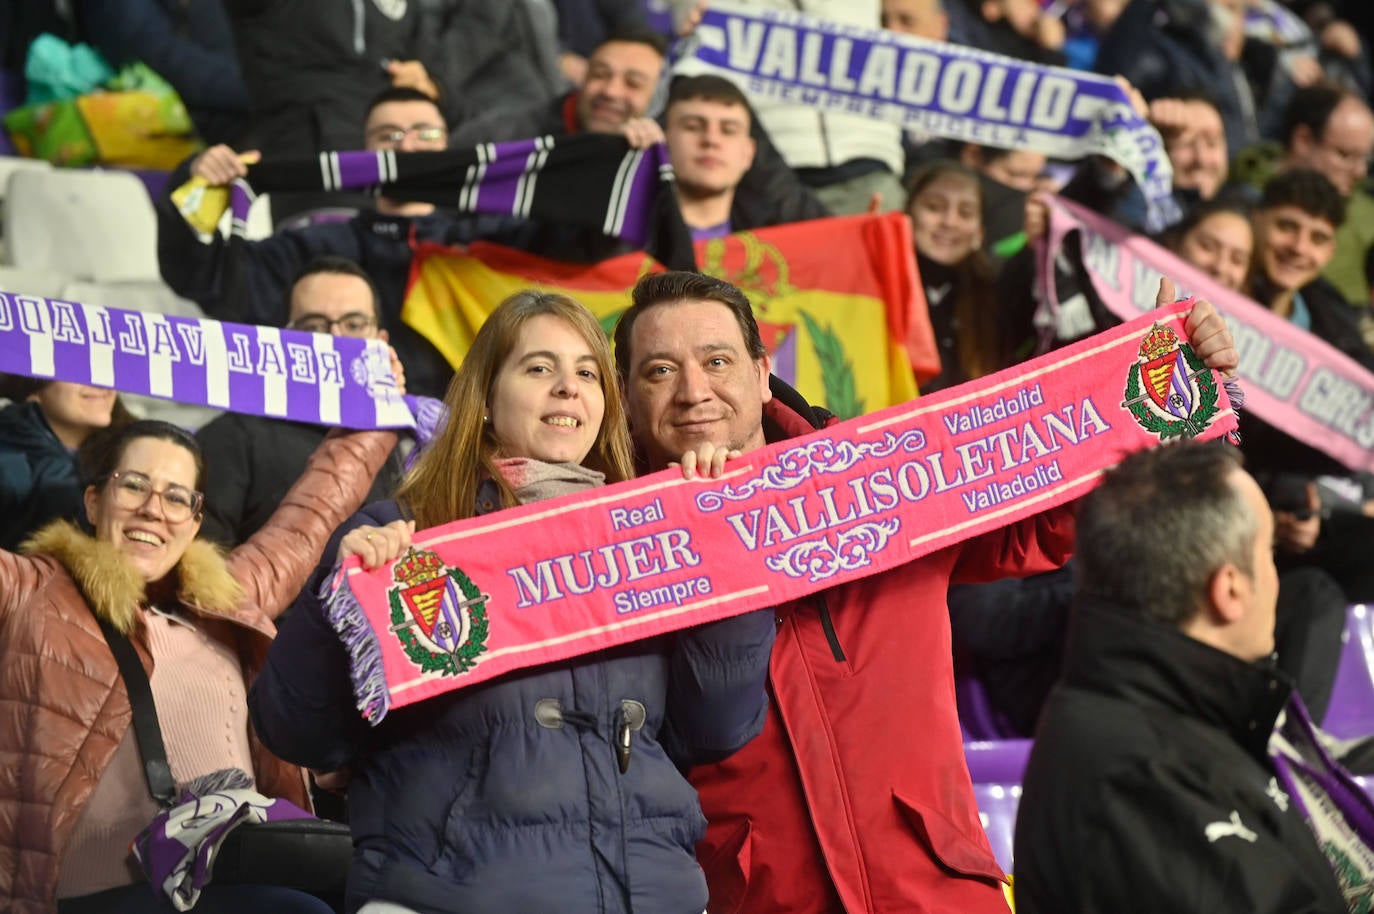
(596,181)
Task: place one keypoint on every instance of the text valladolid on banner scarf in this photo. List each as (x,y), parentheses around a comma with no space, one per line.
(484,596)
(837,300)
(946,90)
(267,371)
(1293,380)
(591,180)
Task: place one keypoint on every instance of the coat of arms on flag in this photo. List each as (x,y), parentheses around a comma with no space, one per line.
(1180,393)
(438,614)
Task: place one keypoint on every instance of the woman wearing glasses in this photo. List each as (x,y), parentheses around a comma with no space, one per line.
(74,793)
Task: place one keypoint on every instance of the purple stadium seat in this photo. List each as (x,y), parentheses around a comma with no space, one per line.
(997,810)
(1351,711)
(997,761)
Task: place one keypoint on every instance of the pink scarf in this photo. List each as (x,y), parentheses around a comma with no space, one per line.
(556,579)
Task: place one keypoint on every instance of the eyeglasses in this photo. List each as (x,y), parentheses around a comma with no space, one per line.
(355,323)
(132,490)
(425,133)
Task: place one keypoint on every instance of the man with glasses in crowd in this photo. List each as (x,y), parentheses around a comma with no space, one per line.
(257,459)
(247,281)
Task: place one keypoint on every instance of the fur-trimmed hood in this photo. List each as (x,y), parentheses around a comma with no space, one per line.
(113,587)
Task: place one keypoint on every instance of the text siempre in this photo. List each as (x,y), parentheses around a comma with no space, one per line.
(612,565)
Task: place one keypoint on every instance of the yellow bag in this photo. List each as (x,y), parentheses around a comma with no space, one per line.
(138,129)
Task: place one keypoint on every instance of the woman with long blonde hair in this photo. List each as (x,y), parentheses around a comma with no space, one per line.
(556,788)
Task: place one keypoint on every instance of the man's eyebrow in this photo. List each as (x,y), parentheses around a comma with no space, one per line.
(703,349)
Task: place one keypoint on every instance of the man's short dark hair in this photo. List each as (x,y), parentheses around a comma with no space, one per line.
(677,286)
(637,35)
(402,94)
(708,88)
(330,263)
(1160,525)
(1311,107)
(1308,190)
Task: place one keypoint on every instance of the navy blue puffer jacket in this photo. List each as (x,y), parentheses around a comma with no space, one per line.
(508,796)
(38,476)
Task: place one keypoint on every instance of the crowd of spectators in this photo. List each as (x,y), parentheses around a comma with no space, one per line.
(1263,107)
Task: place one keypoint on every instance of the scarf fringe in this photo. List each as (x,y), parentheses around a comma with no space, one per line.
(430,416)
(1236,394)
(365,669)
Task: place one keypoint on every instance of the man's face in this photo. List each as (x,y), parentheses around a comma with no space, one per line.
(620,83)
(412,126)
(1294,246)
(1019,168)
(1198,152)
(1342,151)
(691,380)
(709,144)
(922,18)
(336,303)
(1255,638)
(1101,14)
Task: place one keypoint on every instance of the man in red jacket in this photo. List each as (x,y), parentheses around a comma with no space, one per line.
(856,796)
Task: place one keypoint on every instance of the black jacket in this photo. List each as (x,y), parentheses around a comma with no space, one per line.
(1164,47)
(770,193)
(1149,788)
(312,66)
(247,281)
(254,462)
(188,44)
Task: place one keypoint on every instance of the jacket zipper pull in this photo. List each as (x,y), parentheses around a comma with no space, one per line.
(622,744)
(629,717)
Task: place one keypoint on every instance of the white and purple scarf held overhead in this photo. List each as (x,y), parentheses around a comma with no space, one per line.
(947,90)
(266,371)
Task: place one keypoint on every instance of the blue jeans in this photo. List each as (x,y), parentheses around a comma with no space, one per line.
(215,899)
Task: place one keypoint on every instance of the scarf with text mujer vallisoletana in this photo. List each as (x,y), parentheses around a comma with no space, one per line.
(484,596)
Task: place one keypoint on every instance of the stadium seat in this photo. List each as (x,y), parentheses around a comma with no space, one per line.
(996,767)
(1351,711)
(9,164)
(91,225)
(997,805)
(43,283)
(997,761)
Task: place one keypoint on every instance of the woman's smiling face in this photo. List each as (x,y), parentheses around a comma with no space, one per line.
(547,401)
(151,540)
(947,218)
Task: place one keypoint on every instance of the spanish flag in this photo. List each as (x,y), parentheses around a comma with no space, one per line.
(838,300)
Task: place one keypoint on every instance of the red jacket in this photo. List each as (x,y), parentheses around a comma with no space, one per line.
(856,797)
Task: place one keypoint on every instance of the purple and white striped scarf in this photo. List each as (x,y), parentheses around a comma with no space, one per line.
(945,90)
(264,371)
